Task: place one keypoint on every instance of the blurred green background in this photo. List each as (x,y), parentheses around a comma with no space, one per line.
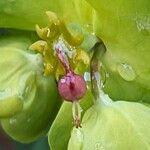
(8,144)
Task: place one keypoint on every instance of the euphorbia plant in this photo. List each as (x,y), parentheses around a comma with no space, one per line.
(38,73)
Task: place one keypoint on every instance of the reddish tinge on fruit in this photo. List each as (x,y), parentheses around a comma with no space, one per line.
(72,87)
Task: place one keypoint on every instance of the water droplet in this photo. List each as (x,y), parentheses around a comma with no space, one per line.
(87,76)
(126,71)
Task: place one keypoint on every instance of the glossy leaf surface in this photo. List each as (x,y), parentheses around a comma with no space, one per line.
(113,125)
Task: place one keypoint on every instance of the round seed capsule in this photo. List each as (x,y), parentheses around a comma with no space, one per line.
(72,87)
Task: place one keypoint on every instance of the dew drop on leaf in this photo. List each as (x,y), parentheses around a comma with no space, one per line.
(126,72)
(87,76)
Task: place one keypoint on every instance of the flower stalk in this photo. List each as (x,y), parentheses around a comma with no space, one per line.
(95,65)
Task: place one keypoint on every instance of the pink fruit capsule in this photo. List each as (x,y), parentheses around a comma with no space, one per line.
(72,87)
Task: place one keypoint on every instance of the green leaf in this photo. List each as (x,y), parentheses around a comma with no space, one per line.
(113,125)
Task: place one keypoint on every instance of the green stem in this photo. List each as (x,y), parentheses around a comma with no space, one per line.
(99,49)
(76,112)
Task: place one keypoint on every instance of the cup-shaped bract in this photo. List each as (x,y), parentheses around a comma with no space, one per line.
(27,97)
(113,125)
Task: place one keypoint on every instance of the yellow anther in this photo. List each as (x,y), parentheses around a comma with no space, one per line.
(52,18)
(42,32)
(49,69)
(39,46)
(82,56)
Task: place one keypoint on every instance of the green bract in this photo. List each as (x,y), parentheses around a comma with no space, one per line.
(13,64)
(28,100)
(113,125)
